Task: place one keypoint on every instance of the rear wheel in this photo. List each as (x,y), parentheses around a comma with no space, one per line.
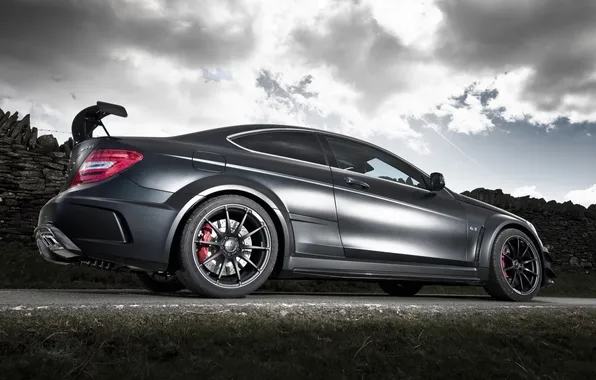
(400,289)
(515,267)
(158,283)
(228,248)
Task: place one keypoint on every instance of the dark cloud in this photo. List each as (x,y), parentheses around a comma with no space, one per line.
(53,49)
(484,96)
(283,93)
(48,34)
(272,86)
(360,51)
(555,38)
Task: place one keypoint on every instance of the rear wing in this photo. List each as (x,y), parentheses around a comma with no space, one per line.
(89,118)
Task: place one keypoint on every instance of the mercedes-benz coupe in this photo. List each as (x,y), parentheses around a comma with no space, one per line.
(220,211)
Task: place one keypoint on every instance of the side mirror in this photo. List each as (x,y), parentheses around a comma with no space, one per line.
(437,182)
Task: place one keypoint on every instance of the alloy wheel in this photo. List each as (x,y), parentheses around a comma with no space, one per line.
(520,264)
(231,246)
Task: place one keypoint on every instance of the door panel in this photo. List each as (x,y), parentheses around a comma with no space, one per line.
(385,219)
(304,187)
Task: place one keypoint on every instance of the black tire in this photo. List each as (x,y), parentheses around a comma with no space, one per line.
(156,284)
(199,281)
(400,289)
(498,285)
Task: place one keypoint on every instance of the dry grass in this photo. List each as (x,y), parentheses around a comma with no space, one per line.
(526,344)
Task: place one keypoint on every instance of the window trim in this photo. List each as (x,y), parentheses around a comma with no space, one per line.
(425,177)
(231,138)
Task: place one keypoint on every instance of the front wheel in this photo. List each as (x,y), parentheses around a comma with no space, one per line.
(515,272)
(158,283)
(228,248)
(400,289)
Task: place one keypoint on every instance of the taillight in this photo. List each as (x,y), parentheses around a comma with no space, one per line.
(104,163)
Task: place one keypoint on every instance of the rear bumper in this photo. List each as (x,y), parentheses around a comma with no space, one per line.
(549,274)
(115,221)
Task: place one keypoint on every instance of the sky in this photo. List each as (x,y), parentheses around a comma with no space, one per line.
(493,94)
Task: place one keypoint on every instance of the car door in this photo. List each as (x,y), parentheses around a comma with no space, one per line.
(291,164)
(385,211)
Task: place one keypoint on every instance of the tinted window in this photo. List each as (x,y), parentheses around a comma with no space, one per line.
(372,162)
(299,145)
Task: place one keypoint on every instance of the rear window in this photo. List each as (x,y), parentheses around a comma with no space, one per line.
(292,144)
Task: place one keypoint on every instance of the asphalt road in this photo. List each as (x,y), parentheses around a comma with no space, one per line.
(121,299)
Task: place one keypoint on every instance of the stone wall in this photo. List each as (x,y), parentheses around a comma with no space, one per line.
(568,229)
(33,169)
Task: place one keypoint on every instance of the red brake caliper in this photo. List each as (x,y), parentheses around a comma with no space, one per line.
(205,236)
(503,264)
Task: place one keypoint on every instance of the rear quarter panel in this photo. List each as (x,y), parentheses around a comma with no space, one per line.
(300,193)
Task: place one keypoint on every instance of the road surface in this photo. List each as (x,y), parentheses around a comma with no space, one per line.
(124,299)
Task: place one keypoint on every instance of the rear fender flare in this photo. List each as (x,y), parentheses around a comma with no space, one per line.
(277,206)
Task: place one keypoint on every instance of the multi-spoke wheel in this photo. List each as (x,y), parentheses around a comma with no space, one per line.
(400,289)
(516,267)
(158,282)
(228,248)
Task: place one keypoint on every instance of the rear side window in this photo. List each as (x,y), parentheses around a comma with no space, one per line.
(292,144)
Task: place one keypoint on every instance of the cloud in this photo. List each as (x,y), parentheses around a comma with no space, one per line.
(358,50)
(79,33)
(468,116)
(299,104)
(159,59)
(585,197)
(527,190)
(539,55)
(363,67)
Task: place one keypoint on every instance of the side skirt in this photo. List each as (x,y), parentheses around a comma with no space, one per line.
(308,267)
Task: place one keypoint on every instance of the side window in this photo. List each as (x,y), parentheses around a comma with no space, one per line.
(372,162)
(293,144)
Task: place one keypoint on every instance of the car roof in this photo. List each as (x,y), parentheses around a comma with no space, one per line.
(246,128)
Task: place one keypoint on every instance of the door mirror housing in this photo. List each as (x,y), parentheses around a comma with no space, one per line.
(437,182)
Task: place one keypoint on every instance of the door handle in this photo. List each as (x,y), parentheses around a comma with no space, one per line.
(353,182)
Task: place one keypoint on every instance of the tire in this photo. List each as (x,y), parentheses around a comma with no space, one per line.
(400,289)
(199,278)
(146,280)
(502,281)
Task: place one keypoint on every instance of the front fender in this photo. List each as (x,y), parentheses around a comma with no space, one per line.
(493,226)
(497,223)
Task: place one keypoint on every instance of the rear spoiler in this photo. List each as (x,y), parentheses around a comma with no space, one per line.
(89,118)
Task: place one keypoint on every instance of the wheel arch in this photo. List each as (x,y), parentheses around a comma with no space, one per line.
(272,205)
(498,225)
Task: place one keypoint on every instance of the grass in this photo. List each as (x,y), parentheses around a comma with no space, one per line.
(22,267)
(520,344)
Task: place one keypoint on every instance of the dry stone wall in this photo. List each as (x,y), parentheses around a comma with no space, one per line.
(568,229)
(33,169)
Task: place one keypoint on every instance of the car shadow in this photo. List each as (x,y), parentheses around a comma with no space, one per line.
(381,296)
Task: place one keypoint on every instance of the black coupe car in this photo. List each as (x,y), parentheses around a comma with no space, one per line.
(220,211)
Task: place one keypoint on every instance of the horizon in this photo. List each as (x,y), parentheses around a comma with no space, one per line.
(439,83)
